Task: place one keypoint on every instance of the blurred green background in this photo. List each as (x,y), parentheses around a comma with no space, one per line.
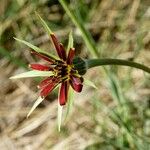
(116,116)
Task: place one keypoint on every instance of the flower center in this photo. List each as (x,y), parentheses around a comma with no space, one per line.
(64,71)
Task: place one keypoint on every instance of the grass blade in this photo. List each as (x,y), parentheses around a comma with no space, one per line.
(86,35)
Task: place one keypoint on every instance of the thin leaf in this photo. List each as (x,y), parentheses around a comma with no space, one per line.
(48,30)
(37,102)
(89,83)
(70,102)
(36,48)
(115,88)
(34,73)
(59,116)
(70,41)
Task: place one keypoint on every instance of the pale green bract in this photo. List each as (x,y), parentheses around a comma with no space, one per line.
(70,41)
(33,73)
(69,102)
(59,116)
(89,83)
(37,102)
(37,49)
(46,27)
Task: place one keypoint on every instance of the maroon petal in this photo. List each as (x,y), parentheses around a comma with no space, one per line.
(48,88)
(59,47)
(56,44)
(63,52)
(40,67)
(43,56)
(70,55)
(76,83)
(63,93)
(45,82)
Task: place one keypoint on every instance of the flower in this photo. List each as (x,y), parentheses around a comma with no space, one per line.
(64,72)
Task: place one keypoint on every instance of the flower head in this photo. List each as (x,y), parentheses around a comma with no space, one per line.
(61,70)
(64,72)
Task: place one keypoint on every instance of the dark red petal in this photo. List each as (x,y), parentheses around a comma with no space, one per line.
(78,80)
(63,93)
(76,83)
(70,55)
(56,44)
(63,52)
(48,88)
(45,57)
(76,87)
(40,67)
(45,82)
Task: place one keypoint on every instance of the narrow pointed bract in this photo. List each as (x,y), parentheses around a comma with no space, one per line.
(37,102)
(90,83)
(48,30)
(34,73)
(60,110)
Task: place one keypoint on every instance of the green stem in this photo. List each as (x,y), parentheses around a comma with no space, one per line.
(101,62)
